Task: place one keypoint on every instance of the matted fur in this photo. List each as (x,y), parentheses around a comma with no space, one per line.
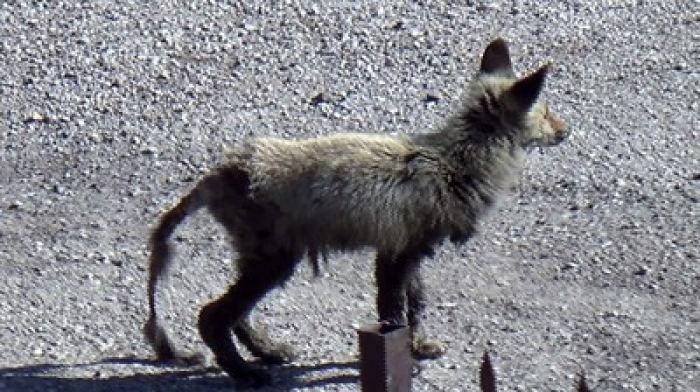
(282,200)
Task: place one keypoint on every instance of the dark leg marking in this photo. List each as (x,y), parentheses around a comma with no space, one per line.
(392,275)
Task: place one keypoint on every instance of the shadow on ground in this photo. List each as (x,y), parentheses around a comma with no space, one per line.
(147,375)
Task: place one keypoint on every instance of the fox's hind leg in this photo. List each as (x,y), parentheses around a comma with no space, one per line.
(257,276)
(259,344)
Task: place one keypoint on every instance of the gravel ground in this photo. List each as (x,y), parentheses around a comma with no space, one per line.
(110,109)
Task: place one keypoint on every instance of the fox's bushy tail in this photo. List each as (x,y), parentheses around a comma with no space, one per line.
(161,256)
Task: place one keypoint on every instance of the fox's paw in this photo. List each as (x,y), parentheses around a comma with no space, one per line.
(428,349)
(277,354)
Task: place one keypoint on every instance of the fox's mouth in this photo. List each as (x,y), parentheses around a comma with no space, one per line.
(551,142)
(555,141)
(561,136)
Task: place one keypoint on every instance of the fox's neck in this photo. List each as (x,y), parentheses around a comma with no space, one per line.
(475,154)
(465,140)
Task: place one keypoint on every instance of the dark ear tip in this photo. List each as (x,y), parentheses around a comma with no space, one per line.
(496,58)
(542,72)
(526,90)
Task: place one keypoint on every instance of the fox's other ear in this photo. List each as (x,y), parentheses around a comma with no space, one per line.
(496,59)
(525,91)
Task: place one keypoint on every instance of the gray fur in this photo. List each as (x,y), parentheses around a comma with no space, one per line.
(281,200)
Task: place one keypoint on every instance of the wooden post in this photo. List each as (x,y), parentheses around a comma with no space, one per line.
(386,363)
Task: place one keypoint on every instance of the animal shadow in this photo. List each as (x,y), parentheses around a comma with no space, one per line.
(140,375)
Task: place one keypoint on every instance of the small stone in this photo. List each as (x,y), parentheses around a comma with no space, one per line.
(641,271)
(397,25)
(35,117)
(149,150)
(569,266)
(318,99)
(431,99)
(415,32)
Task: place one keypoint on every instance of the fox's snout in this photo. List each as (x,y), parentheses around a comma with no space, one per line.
(561,130)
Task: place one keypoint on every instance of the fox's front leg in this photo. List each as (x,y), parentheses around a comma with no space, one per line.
(400,297)
(421,347)
(392,275)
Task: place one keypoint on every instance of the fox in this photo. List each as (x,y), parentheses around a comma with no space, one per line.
(282,201)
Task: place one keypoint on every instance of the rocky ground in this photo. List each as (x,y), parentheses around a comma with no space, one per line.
(110,109)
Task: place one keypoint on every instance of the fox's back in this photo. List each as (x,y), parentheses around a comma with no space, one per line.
(352,189)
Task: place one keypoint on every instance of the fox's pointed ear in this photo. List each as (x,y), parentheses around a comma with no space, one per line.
(496,59)
(525,91)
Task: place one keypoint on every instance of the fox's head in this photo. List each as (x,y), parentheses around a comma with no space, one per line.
(506,104)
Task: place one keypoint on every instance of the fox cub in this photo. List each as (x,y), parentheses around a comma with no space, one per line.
(283,200)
